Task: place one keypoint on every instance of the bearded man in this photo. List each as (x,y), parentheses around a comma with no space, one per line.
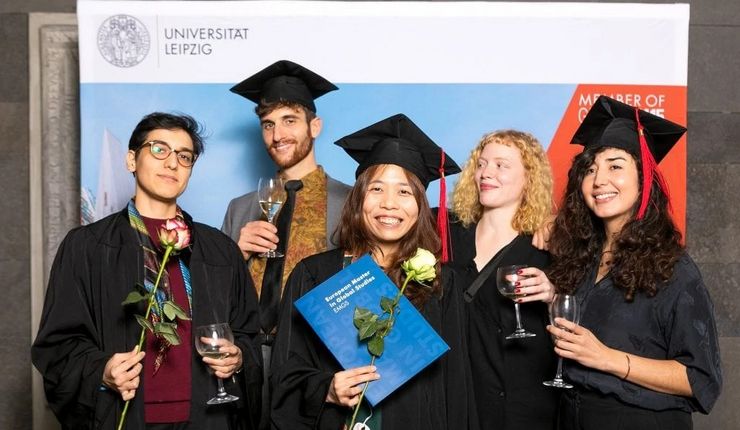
(285,93)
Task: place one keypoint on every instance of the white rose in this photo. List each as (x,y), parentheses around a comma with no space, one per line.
(421,266)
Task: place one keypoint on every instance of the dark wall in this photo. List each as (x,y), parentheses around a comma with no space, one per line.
(15,382)
(26,6)
(15,376)
(713,227)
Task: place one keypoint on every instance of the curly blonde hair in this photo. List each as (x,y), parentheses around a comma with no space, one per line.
(536,203)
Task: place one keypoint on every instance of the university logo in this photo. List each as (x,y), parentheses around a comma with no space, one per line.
(123,41)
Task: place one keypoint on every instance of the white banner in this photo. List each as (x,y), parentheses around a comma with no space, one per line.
(457,69)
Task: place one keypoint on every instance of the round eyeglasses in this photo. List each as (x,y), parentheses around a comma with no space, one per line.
(161,151)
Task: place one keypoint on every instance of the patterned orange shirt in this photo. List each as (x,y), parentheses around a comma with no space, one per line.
(307,228)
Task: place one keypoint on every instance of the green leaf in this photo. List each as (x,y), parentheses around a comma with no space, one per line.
(145,323)
(172,339)
(384,325)
(361,315)
(162,328)
(367,329)
(179,312)
(376,346)
(168,310)
(171,310)
(386,303)
(134,297)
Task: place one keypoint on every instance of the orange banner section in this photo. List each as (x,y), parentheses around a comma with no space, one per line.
(665,101)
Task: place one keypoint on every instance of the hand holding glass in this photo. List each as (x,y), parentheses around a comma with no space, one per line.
(506,280)
(563,306)
(208,342)
(271,194)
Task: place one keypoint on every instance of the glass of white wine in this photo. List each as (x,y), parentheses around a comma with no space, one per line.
(208,342)
(271,194)
(506,280)
(563,306)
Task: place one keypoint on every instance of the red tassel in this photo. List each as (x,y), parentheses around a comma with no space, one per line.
(649,170)
(442,223)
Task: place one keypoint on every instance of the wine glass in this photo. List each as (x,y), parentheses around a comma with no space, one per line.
(208,342)
(271,194)
(563,306)
(506,279)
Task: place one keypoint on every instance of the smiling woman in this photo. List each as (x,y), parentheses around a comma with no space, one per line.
(610,187)
(500,176)
(386,215)
(390,207)
(645,354)
(503,195)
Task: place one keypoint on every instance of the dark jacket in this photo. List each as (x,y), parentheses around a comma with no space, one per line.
(438,398)
(83,323)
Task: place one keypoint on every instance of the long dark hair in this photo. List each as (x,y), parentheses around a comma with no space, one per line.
(643,254)
(355,237)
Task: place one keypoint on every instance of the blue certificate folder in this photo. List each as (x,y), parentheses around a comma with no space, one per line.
(411,345)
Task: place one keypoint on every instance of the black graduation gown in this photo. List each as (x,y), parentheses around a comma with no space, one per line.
(83,323)
(676,324)
(507,374)
(437,398)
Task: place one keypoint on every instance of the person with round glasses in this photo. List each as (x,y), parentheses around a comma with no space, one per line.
(86,345)
(161,150)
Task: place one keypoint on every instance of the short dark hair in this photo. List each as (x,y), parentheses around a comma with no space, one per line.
(167,121)
(265,108)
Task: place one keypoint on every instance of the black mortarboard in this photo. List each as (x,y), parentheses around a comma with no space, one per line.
(284,81)
(397,140)
(612,123)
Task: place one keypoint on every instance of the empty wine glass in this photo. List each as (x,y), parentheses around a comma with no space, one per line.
(208,342)
(271,194)
(506,279)
(563,306)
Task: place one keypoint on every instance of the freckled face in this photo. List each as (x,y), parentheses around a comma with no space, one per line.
(610,186)
(389,209)
(500,176)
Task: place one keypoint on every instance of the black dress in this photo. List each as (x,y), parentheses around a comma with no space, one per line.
(83,323)
(437,398)
(507,374)
(676,324)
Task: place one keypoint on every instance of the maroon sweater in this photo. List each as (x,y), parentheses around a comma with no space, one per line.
(167,393)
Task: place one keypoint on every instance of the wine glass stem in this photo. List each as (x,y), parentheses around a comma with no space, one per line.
(559,373)
(518,317)
(221,389)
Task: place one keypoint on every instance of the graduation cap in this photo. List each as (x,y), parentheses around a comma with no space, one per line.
(611,123)
(397,140)
(284,81)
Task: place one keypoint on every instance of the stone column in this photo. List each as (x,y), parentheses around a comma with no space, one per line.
(54,153)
